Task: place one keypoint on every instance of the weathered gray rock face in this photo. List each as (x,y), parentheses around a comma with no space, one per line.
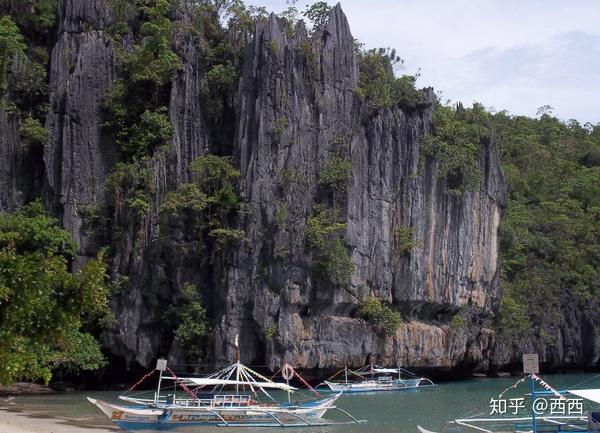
(21,164)
(297,107)
(11,161)
(156,264)
(79,157)
(571,340)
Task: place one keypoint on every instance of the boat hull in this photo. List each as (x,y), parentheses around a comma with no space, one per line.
(142,418)
(378,386)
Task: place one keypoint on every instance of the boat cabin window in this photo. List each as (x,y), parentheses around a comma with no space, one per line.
(231,400)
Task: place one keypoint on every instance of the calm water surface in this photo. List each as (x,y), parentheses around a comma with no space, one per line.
(392,412)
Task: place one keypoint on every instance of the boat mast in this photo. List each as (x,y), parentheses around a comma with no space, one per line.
(531,366)
(346,373)
(237,368)
(533,420)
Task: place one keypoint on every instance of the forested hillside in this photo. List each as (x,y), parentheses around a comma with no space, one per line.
(213,170)
(550,233)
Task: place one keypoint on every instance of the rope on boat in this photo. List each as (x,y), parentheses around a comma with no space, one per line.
(331,377)
(538,380)
(146,376)
(547,386)
(585,381)
(275,374)
(251,379)
(182,385)
(513,386)
(304,382)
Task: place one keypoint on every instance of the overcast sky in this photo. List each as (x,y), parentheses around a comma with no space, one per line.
(507,54)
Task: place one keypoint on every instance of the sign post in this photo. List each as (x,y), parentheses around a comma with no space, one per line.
(531,366)
(161,365)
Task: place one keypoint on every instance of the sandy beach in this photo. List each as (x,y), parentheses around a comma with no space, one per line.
(22,422)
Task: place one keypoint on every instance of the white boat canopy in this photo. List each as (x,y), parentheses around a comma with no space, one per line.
(385,370)
(588,394)
(208,381)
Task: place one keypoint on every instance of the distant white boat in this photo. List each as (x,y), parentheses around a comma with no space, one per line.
(375,379)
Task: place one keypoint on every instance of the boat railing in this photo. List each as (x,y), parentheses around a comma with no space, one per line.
(221,400)
(189,402)
(231,400)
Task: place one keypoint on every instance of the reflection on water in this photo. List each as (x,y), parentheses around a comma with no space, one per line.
(388,412)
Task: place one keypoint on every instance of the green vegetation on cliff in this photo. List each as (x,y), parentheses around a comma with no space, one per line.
(11,44)
(209,201)
(136,105)
(455,143)
(550,230)
(330,253)
(379,87)
(379,314)
(46,310)
(190,316)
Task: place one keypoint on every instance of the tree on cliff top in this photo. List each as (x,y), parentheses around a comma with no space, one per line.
(44,307)
(550,231)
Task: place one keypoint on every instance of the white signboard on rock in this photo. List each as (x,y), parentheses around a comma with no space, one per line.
(531,363)
(161,364)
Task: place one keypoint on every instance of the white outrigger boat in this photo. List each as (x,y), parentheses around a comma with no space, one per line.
(578,422)
(235,396)
(373,378)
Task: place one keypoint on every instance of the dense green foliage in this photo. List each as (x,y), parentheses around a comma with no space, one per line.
(132,184)
(404,239)
(34,17)
(380,314)
(27,30)
(29,88)
(221,28)
(33,132)
(11,44)
(335,173)
(43,306)
(379,87)
(272,330)
(550,231)
(210,200)
(330,253)
(136,105)
(318,13)
(455,143)
(153,60)
(191,322)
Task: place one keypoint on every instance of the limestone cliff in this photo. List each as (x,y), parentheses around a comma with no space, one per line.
(454,258)
(296,107)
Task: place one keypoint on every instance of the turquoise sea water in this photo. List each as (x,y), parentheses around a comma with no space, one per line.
(388,412)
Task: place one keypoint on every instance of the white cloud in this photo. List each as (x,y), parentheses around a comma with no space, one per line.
(513,54)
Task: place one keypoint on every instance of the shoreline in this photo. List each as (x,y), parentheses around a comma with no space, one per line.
(14,421)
